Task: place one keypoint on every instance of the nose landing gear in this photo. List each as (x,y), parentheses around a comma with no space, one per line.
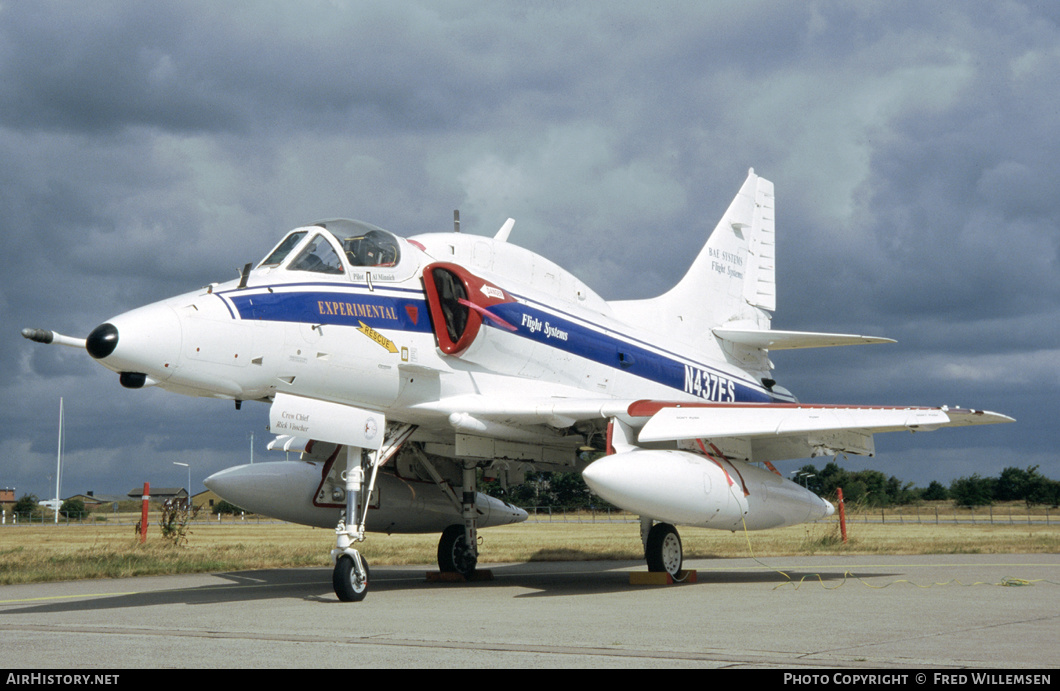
(351,576)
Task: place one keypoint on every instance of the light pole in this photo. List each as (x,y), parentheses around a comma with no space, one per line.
(188,466)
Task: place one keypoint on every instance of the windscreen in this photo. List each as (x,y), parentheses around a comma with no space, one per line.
(318,256)
(283,249)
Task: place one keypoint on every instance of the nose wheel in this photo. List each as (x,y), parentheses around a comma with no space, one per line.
(350,583)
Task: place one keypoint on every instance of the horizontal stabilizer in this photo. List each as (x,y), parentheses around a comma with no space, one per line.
(787,340)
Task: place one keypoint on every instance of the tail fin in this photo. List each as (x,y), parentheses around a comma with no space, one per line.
(731,282)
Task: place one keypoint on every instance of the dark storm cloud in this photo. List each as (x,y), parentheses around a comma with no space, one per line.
(359,67)
(98,67)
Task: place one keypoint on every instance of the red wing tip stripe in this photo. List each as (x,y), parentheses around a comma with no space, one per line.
(647,408)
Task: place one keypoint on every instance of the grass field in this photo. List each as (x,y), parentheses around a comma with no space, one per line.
(38,553)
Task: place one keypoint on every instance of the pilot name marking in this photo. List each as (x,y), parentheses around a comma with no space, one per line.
(537,326)
(356,309)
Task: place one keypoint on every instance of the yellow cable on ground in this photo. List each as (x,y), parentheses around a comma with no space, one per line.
(1006,582)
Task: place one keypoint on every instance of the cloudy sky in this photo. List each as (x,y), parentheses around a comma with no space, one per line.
(147,149)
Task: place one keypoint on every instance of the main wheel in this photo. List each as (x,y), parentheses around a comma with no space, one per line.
(344,578)
(663,550)
(454,554)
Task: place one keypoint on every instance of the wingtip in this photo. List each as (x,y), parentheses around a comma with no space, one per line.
(969,416)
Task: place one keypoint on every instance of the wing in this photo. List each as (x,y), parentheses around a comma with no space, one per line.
(762,432)
(549,429)
(747,431)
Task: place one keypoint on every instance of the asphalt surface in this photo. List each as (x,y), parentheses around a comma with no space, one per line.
(939,612)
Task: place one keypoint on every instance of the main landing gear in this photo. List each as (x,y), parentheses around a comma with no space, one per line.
(454,555)
(662,547)
(458,547)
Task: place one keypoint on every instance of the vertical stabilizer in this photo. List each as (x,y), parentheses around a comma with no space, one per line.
(732,280)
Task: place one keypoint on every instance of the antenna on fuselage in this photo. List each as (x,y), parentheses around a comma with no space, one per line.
(456,220)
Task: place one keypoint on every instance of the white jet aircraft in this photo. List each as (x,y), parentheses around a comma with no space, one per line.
(400,368)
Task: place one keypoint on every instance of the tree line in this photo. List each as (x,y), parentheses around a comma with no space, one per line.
(873,488)
(867,487)
(28,508)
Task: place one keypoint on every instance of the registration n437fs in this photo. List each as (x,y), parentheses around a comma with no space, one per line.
(401,368)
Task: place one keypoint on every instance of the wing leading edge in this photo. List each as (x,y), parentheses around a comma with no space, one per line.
(761,432)
(747,431)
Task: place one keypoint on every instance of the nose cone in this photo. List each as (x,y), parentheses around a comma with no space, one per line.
(282,489)
(102,341)
(660,484)
(146,340)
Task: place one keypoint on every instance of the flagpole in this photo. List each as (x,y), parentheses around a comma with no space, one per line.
(59,462)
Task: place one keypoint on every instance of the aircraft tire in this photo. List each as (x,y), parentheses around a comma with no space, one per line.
(348,587)
(663,550)
(453,553)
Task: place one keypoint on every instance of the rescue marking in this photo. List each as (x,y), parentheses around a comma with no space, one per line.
(377,337)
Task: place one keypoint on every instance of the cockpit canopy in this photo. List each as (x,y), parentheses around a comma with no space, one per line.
(374,248)
(364,245)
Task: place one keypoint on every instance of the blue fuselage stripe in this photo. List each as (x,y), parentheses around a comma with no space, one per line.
(342,308)
(592,343)
(380,310)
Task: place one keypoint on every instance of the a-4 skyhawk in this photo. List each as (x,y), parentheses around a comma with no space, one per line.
(402,368)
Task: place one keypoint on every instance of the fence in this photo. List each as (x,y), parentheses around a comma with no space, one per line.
(992,515)
(130,519)
(899,514)
(935,515)
(553,514)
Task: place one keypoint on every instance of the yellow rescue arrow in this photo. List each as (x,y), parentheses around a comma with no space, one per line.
(377,337)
